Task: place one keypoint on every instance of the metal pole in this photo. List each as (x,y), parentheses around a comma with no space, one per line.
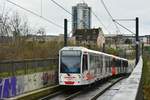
(65,32)
(137,39)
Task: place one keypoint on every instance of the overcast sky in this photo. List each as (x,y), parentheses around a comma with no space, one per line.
(126,9)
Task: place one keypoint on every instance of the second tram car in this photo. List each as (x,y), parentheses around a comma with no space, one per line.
(82,66)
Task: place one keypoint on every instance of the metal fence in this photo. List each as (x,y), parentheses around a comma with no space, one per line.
(18,67)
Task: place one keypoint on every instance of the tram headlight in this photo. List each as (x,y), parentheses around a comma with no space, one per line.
(60,77)
(79,76)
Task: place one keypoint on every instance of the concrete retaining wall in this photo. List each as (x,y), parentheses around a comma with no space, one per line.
(16,85)
(131,88)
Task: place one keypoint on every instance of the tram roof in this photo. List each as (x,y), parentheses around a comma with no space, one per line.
(89,50)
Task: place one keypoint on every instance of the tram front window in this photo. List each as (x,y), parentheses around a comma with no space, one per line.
(70,64)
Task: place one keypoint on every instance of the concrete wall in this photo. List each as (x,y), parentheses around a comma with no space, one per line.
(17,85)
(131,89)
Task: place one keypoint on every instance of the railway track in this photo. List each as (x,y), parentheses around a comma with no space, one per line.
(98,90)
(105,89)
(63,94)
(51,95)
(78,94)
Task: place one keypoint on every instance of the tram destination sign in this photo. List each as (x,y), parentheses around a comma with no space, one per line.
(71,53)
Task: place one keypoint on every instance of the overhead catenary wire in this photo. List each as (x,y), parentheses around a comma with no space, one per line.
(99,20)
(35,14)
(110,15)
(106,9)
(67,11)
(61,6)
(124,19)
(109,25)
(116,21)
(41,7)
(123,27)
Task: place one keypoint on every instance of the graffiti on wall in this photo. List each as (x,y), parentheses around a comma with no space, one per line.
(45,78)
(48,77)
(13,86)
(7,87)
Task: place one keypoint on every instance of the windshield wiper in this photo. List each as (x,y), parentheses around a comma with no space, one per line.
(67,72)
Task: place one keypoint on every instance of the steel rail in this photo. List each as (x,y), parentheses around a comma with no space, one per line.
(105,89)
(51,95)
(73,95)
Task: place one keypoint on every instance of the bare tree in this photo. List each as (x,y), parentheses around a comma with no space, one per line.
(4,23)
(19,27)
(40,36)
(25,27)
(15,24)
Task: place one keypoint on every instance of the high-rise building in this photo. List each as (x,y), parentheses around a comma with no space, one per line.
(81,18)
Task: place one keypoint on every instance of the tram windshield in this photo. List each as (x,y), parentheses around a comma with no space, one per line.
(70,62)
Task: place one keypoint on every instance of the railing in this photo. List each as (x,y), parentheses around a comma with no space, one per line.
(18,67)
(131,89)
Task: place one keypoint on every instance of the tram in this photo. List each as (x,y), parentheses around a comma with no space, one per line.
(82,66)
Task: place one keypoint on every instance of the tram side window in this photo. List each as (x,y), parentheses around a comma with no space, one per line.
(110,64)
(91,61)
(101,62)
(117,63)
(114,63)
(126,63)
(85,63)
(96,61)
(106,63)
(123,64)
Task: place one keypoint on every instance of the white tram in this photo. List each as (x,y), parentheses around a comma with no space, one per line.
(82,66)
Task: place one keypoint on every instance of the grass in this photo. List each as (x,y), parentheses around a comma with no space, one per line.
(146,76)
